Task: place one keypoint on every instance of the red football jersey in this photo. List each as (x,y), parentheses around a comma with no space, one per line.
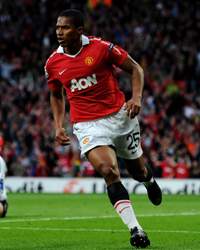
(91,87)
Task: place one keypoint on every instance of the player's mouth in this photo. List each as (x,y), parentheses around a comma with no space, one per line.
(61,41)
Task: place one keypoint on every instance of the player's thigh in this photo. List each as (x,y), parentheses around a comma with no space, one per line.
(128,143)
(103,159)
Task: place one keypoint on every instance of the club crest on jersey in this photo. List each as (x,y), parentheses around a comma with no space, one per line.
(83,83)
(89,60)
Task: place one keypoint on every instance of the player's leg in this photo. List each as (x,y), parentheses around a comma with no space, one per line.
(129,148)
(3,195)
(3,208)
(104,160)
(104,132)
(143,173)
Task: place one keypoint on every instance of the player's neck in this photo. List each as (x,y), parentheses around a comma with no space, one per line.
(73,49)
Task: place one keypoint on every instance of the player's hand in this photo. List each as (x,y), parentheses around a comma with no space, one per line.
(61,137)
(132,108)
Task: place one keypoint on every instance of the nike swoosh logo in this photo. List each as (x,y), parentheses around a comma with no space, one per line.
(61,72)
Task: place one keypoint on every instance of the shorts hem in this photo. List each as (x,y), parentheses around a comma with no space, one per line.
(133,157)
(94,146)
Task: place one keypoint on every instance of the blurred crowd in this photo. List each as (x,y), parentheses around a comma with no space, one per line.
(163,36)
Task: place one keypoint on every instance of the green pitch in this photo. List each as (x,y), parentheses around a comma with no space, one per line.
(88,222)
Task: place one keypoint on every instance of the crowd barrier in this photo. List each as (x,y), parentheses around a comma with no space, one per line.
(95,185)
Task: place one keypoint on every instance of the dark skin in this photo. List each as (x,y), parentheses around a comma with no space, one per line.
(1,209)
(103,158)
(68,35)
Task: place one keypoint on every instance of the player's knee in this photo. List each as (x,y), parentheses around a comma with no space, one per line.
(109,171)
(3,208)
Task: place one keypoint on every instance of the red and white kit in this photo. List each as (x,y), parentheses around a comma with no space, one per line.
(93,94)
(88,79)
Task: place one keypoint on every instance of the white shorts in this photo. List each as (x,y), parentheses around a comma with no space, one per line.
(116,130)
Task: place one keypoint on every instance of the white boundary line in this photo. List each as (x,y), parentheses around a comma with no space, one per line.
(96,217)
(94,230)
(58,219)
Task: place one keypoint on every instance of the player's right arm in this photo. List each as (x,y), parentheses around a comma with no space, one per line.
(57,101)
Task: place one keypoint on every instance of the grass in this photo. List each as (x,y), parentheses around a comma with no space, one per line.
(49,221)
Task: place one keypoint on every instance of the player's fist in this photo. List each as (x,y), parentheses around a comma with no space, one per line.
(61,137)
(132,108)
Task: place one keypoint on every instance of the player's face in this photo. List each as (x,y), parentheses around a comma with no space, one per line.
(67,34)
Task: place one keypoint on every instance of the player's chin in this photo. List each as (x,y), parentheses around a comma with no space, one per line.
(62,43)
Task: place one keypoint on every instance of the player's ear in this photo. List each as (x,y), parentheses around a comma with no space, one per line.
(80,30)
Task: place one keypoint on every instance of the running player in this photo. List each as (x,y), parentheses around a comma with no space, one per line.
(104,124)
(3,195)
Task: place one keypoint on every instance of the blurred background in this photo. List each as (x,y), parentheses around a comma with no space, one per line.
(163,36)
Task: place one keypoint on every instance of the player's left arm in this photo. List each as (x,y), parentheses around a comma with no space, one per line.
(137,81)
(123,60)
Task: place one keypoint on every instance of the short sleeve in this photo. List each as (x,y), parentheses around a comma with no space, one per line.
(53,83)
(116,55)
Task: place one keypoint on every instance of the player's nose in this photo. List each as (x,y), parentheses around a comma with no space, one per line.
(59,32)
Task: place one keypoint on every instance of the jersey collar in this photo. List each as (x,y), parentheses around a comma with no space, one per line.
(85,40)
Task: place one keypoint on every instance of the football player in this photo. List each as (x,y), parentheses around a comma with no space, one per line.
(104,123)
(3,195)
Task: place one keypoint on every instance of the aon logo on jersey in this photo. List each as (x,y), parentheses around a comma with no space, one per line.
(83,83)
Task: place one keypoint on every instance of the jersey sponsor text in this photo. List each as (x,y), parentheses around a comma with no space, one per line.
(83,83)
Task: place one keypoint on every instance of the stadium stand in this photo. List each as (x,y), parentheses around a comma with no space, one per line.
(161,35)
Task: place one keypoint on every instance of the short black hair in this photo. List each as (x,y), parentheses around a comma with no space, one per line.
(75,15)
